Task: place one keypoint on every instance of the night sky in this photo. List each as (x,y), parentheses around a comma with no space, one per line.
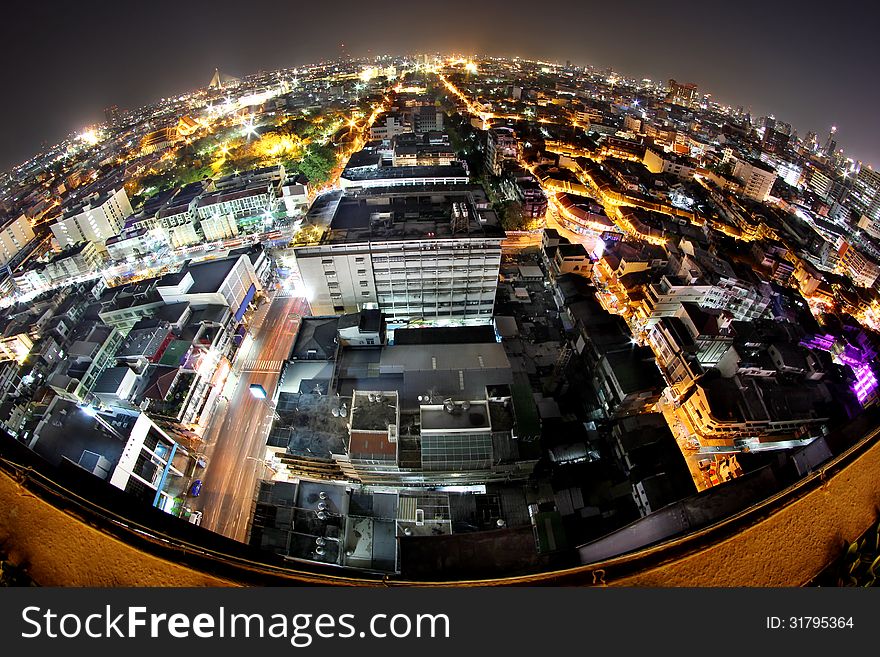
(811,64)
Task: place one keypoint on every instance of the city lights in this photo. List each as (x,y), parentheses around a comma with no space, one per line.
(90,137)
(574,297)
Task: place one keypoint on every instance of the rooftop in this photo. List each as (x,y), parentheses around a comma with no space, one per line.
(421,212)
(307,426)
(463,415)
(374,411)
(316,338)
(397,173)
(207,276)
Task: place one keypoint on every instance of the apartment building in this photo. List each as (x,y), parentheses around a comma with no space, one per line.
(427,253)
(100,217)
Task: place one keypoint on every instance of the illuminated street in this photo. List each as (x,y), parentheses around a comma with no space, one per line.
(527,310)
(236,438)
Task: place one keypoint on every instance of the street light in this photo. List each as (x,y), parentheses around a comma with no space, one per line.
(259,392)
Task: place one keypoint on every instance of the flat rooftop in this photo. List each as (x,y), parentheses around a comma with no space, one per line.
(374,411)
(413,213)
(207,276)
(307,425)
(473,416)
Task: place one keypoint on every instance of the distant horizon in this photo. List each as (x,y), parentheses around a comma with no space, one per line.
(769,59)
(352,57)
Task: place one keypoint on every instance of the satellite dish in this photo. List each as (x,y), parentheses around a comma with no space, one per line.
(465,405)
(320,540)
(322,515)
(322,506)
(407,531)
(322,495)
(500,522)
(319,550)
(334,412)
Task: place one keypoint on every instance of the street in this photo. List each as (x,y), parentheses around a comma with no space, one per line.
(236,437)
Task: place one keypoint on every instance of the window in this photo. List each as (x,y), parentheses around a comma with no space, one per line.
(364,283)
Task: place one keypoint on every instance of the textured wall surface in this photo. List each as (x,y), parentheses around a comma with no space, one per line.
(61,550)
(787,547)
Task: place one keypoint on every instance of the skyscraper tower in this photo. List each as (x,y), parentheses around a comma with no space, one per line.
(812,141)
(830,143)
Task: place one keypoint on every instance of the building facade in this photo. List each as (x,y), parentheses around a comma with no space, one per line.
(427,254)
(98,219)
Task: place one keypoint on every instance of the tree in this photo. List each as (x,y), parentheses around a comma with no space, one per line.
(318,163)
(512,216)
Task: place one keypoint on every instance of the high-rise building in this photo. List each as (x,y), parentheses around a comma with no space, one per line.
(14,235)
(100,217)
(865,195)
(682,94)
(830,144)
(427,118)
(757,178)
(111,114)
(501,144)
(428,252)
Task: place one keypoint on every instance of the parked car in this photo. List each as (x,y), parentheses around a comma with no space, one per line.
(196,488)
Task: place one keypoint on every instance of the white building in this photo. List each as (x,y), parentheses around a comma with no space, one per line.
(243,204)
(78,261)
(429,253)
(388,126)
(757,179)
(229,281)
(217,227)
(14,235)
(99,218)
(676,165)
(295,197)
(136,244)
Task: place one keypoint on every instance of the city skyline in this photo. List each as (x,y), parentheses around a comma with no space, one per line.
(442,317)
(799,83)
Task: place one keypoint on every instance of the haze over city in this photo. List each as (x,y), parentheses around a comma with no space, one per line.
(795,60)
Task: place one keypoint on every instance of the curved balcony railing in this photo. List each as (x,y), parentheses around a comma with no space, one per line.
(54,527)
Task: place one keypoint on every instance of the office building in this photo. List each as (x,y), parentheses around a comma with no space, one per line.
(430,253)
(865,196)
